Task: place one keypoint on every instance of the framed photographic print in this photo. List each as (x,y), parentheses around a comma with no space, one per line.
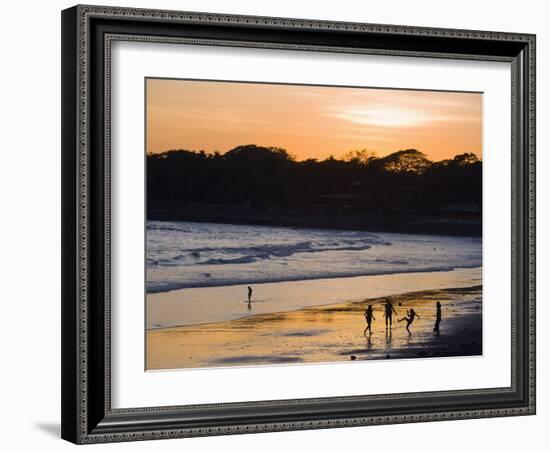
(280,224)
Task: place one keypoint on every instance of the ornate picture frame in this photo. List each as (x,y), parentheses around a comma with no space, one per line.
(87,35)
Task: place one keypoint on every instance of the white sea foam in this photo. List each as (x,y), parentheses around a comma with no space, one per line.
(189,255)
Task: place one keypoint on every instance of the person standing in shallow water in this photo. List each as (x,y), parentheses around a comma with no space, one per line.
(437,317)
(388,312)
(249,294)
(369,317)
(411,314)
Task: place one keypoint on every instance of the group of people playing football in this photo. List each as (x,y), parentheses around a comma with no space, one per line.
(389,311)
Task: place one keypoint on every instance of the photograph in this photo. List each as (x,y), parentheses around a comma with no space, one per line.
(301,223)
(276,220)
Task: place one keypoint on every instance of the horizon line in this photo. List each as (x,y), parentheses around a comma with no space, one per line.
(339,158)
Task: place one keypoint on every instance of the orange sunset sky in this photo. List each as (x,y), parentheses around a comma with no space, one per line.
(310,121)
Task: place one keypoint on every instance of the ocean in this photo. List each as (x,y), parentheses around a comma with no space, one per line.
(198,255)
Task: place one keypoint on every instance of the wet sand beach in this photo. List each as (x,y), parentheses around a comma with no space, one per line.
(195,306)
(329,333)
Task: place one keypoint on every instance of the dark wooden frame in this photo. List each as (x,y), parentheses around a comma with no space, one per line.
(87,32)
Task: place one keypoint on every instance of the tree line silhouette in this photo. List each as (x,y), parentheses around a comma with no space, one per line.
(268,179)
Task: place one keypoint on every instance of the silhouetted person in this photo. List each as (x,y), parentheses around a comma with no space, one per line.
(369,317)
(411,314)
(249,295)
(388,312)
(437,317)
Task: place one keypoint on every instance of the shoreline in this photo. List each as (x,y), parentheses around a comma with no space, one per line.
(320,278)
(329,333)
(194,306)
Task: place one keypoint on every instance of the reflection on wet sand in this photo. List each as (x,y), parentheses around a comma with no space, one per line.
(327,334)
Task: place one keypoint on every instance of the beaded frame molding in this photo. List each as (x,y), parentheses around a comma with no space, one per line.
(87,35)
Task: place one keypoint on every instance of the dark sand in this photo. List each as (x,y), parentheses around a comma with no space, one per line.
(331,333)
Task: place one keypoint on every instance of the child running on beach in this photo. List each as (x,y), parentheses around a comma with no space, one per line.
(369,317)
(411,314)
(249,297)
